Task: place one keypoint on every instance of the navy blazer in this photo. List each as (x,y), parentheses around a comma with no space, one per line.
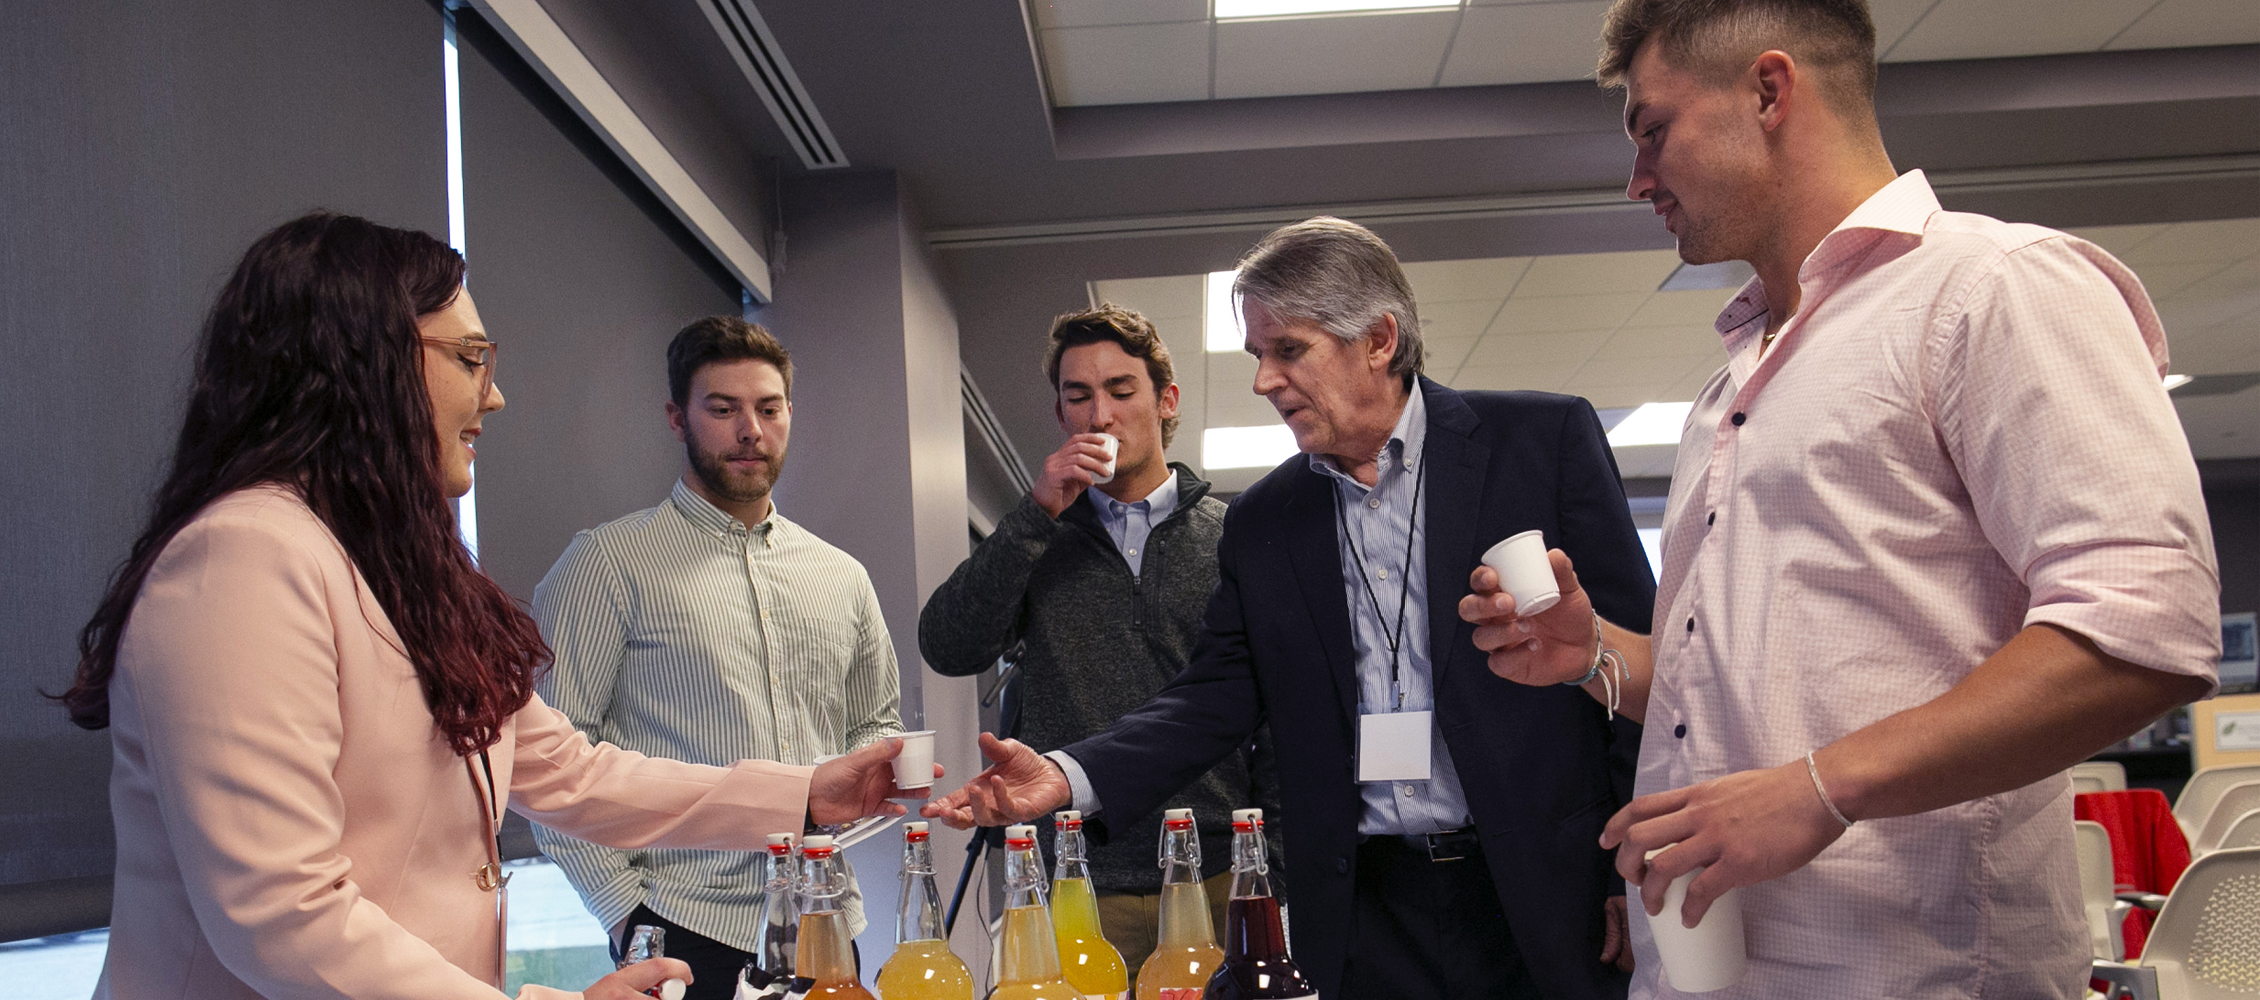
(1541,766)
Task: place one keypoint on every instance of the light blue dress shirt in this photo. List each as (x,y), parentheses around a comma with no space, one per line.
(1129,523)
(1378,520)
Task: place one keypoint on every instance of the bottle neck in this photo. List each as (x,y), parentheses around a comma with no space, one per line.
(1251,871)
(823,885)
(780,873)
(1073,855)
(1180,856)
(1024,881)
(920,918)
(1184,904)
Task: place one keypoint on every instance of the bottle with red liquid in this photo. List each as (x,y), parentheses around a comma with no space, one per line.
(1256,966)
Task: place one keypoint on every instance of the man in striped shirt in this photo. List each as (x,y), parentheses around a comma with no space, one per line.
(710,628)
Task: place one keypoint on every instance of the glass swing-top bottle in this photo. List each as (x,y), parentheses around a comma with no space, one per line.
(1185,952)
(1256,966)
(1090,964)
(922,967)
(1029,966)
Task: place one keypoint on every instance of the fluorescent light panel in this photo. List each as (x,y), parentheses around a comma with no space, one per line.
(1228,10)
(1652,423)
(2176,381)
(1246,447)
(1220,322)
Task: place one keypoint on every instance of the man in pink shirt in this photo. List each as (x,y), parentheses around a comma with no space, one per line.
(1934,536)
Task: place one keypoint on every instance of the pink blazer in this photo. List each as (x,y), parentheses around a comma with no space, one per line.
(291,824)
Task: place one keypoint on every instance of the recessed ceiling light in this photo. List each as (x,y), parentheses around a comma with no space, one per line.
(1652,423)
(1220,322)
(1246,447)
(2176,381)
(1232,10)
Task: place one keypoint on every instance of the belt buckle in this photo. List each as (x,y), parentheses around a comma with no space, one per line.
(1451,845)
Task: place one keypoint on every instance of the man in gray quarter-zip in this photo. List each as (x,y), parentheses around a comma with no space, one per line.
(1103,585)
(710,628)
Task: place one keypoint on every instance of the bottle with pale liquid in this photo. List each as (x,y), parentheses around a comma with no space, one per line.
(1090,964)
(922,967)
(1028,967)
(826,953)
(776,932)
(1185,954)
(1256,966)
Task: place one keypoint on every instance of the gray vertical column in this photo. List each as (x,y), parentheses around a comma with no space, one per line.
(877,465)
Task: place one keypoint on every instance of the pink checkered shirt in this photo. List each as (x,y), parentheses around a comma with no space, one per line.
(1960,433)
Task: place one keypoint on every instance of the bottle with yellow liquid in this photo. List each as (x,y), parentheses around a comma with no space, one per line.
(1185,953)
(826,954)
(922,967)
(1090,964)
(1028,967)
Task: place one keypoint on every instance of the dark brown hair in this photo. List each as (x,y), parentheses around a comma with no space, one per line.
(1112,324)
(721,338)
(309,376)
(1720,38)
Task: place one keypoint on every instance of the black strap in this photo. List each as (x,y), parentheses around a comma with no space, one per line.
(1404,590)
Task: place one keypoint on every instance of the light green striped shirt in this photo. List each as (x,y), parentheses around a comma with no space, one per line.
(682,633)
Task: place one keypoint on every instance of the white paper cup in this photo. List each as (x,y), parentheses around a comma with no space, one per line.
(1525,572)
(915,768)
(1113,446)
(1708,956)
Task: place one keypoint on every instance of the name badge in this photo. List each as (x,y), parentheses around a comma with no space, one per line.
(1394,747)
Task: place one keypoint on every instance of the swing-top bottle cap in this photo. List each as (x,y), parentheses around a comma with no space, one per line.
(816,845)
(1068,819)
(1246,819)
(1020,837)
(1177,819)
(780,843)
(915,832)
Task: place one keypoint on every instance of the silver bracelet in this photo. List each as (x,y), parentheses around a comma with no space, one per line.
(1815,770)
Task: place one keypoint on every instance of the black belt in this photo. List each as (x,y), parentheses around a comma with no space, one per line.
(1449,845)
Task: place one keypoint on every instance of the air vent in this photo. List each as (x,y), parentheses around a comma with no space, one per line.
(763,63)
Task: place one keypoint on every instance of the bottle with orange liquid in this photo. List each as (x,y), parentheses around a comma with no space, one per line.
(922,967)
(826,954)
(1256,966)
(1185,955)
(1090,964)
(1029,959)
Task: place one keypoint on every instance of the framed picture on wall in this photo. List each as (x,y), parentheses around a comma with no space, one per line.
(2240,653)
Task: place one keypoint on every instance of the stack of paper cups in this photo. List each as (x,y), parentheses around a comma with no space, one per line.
(1708,956)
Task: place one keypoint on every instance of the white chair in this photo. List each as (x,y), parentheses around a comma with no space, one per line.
(2099,776)
(2235,801)
(2197,797)
(2205,944)
(2106,913)
(2244,831)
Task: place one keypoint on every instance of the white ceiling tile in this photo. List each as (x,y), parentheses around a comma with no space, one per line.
(1457,319)
(2222,240)
(1546,378)
(1595,273)
(1657,372)
(1131,64)
(1328,55)
(2176,23)
(2119,239)
(1565,312)
(1984,29)
(1443,355)
(1092,13)
(1699,309)
(2164,281)
(2222,426)
(1526,43)
(2197,312)
(1174,296)
(1464,280)
(1690,386)
(1662,342)
(1893,17)
(1605,396)
(1537,349)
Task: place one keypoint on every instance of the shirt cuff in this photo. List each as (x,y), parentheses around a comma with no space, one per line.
(1085,800)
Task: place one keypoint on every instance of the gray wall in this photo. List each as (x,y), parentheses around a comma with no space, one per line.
(584,277)
(142,147)
(877,462)
(2232,497)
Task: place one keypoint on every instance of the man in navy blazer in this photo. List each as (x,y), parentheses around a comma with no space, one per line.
(1480,872)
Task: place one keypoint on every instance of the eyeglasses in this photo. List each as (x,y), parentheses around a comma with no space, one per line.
(479,354)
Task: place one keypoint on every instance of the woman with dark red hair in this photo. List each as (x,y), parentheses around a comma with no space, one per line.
(319,705)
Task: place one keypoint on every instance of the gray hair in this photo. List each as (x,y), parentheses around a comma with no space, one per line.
(1338,275)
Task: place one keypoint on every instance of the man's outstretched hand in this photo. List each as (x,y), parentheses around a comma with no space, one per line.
(1019,787)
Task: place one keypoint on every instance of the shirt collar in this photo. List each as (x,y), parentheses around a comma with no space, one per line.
(1903,207)
(715,520)
(1159,504)
(1404,444)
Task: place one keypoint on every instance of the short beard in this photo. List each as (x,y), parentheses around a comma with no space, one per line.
(715,474)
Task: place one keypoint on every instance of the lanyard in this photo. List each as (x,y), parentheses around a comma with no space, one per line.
(490,877)
(1404,589)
